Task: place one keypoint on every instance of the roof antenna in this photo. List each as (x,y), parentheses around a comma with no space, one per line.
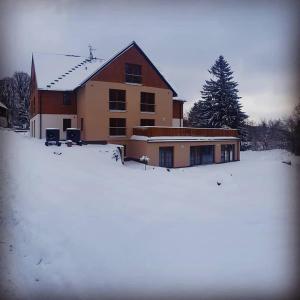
(91,49)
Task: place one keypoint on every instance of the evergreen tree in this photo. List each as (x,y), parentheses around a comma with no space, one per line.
(220,106)
(195,117)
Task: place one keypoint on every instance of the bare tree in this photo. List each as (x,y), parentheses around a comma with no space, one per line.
(15,93)
(22,90)
(8,96)
(293,127)
(267,135)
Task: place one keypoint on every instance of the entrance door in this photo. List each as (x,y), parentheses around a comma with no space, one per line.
(166,157)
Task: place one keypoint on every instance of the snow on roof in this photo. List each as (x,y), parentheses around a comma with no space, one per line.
(181,138)
(2,105)
(179,99)
(66,72)
(63,72)
(209,128)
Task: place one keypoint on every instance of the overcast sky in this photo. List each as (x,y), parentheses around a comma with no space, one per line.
(182,38)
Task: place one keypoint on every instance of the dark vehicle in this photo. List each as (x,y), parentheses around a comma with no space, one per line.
(52,136)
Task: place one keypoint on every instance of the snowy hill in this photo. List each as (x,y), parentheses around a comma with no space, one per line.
(81,224)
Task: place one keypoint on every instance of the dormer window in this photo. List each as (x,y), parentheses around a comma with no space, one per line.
(133,73)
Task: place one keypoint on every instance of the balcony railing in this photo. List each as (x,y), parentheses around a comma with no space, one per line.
(151,131)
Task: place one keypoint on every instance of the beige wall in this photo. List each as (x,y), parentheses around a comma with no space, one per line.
(50,121)
(93,106)
(181,151)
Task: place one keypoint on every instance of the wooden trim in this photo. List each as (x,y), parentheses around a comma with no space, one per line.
(177,110)
(183,131)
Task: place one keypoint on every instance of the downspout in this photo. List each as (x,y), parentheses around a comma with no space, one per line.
(181,114)
(40,115)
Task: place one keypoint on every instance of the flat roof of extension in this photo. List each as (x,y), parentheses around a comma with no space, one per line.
(154,139)
(185,127)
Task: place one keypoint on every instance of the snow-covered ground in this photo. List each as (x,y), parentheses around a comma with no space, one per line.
(81,224)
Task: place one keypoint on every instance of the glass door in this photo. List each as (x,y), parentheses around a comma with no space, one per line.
(166,157)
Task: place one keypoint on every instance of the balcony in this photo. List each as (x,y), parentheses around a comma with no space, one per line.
(155,131)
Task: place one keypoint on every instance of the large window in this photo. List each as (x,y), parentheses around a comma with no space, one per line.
(147,122)
(67,98)
(208,154)
(200,155)
(147,102)
(133,73)
(66,124)
(117,99)
(227,153)
(117,126)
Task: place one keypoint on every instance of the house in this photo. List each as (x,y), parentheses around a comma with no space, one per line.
(3,115)
(124,100)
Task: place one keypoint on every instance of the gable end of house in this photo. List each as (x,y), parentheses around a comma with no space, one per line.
(114,69)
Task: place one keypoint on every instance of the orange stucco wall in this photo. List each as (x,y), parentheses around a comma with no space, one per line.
(181,151)
(93,107)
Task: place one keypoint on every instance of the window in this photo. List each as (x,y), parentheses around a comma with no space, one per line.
(117,126)
(147,102)
(147,122)
(227,153)
(81,124)
(66,124)
(117,99)
(67,98)
(200,155)
(133,73)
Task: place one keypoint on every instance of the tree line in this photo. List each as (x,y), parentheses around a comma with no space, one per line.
(15,94)
(274,134)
